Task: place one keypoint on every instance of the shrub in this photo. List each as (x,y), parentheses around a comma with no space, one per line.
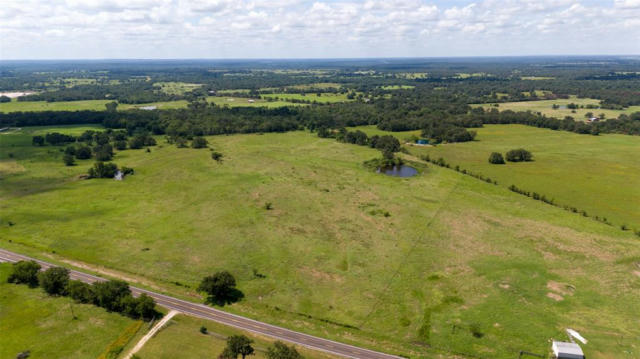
(199,142)
(110,294)
(83,153)
(216,156)
(80,292)
(496,158)
(54,280)
(203,329)
(68,160)
(25,272)
(37,141)
(120,145)
(519,155)
(281,351)
(103,170)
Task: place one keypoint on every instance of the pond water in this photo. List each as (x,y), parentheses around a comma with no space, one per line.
(398,171)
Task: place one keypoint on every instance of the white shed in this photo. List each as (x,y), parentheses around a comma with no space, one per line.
(563,350)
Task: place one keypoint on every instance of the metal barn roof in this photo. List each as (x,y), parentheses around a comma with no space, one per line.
(563,350)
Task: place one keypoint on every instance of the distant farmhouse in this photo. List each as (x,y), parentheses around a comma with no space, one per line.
(594,119)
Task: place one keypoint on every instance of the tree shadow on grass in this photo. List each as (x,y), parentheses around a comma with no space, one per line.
(234,295)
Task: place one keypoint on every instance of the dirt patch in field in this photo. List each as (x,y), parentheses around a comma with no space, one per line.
(637,272)
(324,276)
(10,167)
(562,288)
(554,296)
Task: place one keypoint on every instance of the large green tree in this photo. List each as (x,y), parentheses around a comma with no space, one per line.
(25,272)
(237,345)
(282,351)
(54,280)
(220,287)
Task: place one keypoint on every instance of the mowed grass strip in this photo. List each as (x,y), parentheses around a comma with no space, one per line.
(32,320)
(454,268)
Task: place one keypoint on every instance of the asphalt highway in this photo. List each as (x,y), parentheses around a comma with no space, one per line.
(209,313)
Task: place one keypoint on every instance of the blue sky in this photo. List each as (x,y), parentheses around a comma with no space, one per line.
(62,29)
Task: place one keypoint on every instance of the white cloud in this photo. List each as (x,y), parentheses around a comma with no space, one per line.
(328,28)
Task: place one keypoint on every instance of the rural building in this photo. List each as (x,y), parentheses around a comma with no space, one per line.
(422,142)
(148,108)
(563,350)
(251,101)
(594,119)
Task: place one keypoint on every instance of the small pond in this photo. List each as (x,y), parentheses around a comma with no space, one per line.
(398,171)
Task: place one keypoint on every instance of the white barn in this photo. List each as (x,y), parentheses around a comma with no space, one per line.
(563,350)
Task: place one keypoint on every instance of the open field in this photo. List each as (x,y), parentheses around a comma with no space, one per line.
(176,88)
(459,265)
(397,87)
(545,107)
(32,320)
(244,102)
(313,97)
(99,105)
(600,174)
(181,338)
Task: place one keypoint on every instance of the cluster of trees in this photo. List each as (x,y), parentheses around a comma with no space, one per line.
(131,92)
(519,155)
(240,345)
(448,133)
(113,295)
(386,144)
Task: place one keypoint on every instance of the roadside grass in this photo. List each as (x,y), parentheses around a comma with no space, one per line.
(545,108)
(181,338)
(459,266)
(32,320)
(312,96)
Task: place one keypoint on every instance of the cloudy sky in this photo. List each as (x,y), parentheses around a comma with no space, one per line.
(57,29)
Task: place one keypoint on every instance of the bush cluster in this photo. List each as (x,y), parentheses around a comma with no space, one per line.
(113,295)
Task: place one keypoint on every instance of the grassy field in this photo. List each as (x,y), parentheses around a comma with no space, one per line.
(600,174)
(99,105)
(545,107)
(324,98)
(32,320)
(181,338)
(458,266)
(176,88)
(397,87)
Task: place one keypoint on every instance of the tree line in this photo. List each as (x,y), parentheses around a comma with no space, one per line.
(113,295)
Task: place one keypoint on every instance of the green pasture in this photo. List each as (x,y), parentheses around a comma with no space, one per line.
(176,88)
(44,325)
(599,174)
(458,267)
(99,105)
(397,87)
(545,107)
(313,97)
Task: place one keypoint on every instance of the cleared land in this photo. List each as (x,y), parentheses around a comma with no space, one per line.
(455,267)
(181,338)
(313,97)
(99,105)
(176,88)
(32,320)
(546,108)
(600,174)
